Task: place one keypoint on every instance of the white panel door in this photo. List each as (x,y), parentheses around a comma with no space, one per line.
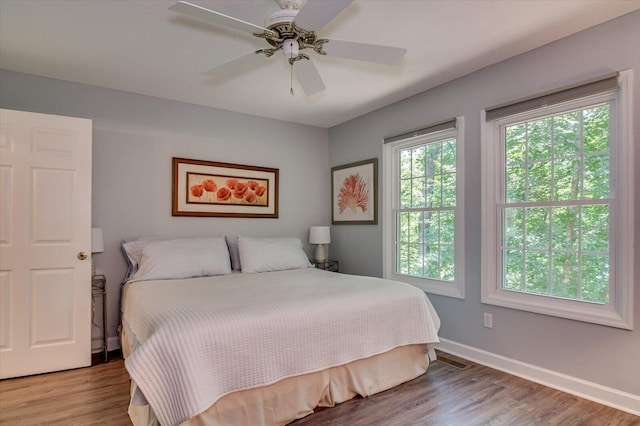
(45,233)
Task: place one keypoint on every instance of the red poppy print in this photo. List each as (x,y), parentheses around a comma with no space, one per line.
(239,190)
(231,183)
(197,190)
(250,197)
(219,189)
(223,194)
(209,185)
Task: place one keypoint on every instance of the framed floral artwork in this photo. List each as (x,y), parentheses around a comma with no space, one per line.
(354,193)
(207,188)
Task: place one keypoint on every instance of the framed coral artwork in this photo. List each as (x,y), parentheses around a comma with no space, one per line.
(354,193)
(207,188)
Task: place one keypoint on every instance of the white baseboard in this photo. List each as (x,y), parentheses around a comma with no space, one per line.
(113,343)
(611,397)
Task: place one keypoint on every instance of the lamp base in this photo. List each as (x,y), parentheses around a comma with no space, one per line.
(321,255)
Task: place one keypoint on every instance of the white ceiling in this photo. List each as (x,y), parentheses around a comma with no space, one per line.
(141,46)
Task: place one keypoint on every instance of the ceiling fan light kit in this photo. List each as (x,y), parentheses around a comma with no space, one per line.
(290,48)
(284,31)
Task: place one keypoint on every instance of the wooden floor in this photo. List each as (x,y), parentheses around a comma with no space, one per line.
(444,396)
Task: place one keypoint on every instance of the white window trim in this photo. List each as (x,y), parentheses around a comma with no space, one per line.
(455,288)
(619,312)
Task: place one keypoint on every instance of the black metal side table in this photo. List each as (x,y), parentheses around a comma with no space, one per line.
(327,265)
(99,289)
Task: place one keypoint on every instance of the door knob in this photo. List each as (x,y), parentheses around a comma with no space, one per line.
(82,255)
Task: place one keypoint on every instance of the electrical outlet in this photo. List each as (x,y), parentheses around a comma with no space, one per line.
(488,320)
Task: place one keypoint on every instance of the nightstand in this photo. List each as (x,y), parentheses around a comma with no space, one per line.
(327,265)
(99,289)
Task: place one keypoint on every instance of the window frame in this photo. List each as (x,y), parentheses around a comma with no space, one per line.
(455,288)
(619,311)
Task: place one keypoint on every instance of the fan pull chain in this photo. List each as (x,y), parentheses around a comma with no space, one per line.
(291,81)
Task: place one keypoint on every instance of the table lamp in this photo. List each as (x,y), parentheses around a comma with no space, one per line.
(320,235)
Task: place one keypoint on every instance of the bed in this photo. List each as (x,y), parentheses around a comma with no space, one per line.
(220,331)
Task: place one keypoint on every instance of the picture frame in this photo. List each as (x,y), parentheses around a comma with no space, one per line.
(209,188)
(354,193)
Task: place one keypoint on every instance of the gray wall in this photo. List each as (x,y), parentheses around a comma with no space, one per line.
(595,353)
(134,139)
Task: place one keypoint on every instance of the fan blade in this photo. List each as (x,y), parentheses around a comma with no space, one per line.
(216,18)
(308,77)
(318,13)
(365,52)
(235,66)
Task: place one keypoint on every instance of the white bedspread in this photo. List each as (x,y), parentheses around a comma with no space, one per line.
(202,338)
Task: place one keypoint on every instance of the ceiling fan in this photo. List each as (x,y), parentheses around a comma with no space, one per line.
(293,30)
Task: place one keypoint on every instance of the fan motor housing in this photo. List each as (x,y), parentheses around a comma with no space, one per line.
(280,17)
(281,22)
(284,33)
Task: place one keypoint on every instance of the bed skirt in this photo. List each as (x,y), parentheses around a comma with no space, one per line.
(296,397)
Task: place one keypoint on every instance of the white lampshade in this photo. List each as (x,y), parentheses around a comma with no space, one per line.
(97,243)
(319,235)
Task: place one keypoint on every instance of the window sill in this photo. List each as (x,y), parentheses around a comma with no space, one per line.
(442,288)
(596,313)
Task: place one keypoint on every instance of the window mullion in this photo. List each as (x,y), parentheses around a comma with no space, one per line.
(581,155)
(581,197)
(526,164)
(553,159)
(523,245)
(568,203)
(550,247)
(579,254)
(550,281)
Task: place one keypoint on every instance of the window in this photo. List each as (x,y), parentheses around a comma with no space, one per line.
(423,208)
(558,206)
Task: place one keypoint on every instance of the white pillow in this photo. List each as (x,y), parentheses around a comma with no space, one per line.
(271,254)
(232,244)
(183,258)
(134,250)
